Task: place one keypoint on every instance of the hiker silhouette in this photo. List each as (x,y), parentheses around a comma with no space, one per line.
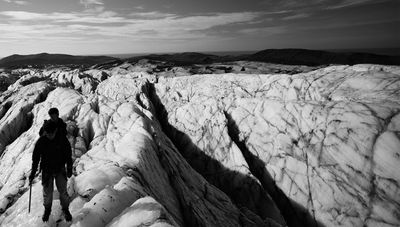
(53,151)
(54,117)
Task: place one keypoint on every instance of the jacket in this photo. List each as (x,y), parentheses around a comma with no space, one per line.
(53,155)
(61,128)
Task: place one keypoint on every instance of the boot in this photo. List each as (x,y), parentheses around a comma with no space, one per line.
(46,214)
(67,215)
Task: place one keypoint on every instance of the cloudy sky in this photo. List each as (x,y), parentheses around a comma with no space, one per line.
(138,26)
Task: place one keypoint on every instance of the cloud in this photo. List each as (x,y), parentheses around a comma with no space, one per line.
(15,32)
(152,19)
(297,16)
(108,24)
(350,3)
(263,31)
(294,4)
(315,4)
(22,15)
(89,3)
(150,15)
(94,9)
(18,2)
(82,17)
(21,2)
(139,7)
(346,24)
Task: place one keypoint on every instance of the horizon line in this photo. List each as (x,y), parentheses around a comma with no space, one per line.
(220,51)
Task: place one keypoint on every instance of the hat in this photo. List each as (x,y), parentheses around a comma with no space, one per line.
(53,111)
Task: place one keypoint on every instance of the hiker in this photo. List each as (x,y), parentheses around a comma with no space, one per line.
(54,153)
(61,126)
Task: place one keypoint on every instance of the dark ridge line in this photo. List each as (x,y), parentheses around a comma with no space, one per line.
(185,213)
(294,214)
(43,60)
(289,56)
(222,177)
(4,107)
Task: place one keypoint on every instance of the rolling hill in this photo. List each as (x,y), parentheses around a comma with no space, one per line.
(45,59)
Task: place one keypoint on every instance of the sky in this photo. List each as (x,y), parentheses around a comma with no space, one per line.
(94,27)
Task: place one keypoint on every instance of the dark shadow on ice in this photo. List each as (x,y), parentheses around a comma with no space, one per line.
(265,200)
(292,211)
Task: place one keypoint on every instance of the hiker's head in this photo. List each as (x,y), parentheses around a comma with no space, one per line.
(53,112)
(50,129)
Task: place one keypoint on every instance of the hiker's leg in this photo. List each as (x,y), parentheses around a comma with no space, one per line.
(47,183)
(61,182)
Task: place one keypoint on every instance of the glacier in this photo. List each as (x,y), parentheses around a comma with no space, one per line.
(318,148)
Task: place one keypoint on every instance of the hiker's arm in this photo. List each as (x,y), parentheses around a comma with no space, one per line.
(41,131)
(63,128)
(35,159)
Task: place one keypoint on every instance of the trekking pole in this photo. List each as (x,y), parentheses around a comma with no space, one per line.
(30,195)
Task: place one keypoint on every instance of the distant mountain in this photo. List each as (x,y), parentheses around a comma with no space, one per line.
(279,56)
(45,59)
(186,58)
(318,57)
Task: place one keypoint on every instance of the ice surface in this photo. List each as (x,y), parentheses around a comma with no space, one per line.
(328,138)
